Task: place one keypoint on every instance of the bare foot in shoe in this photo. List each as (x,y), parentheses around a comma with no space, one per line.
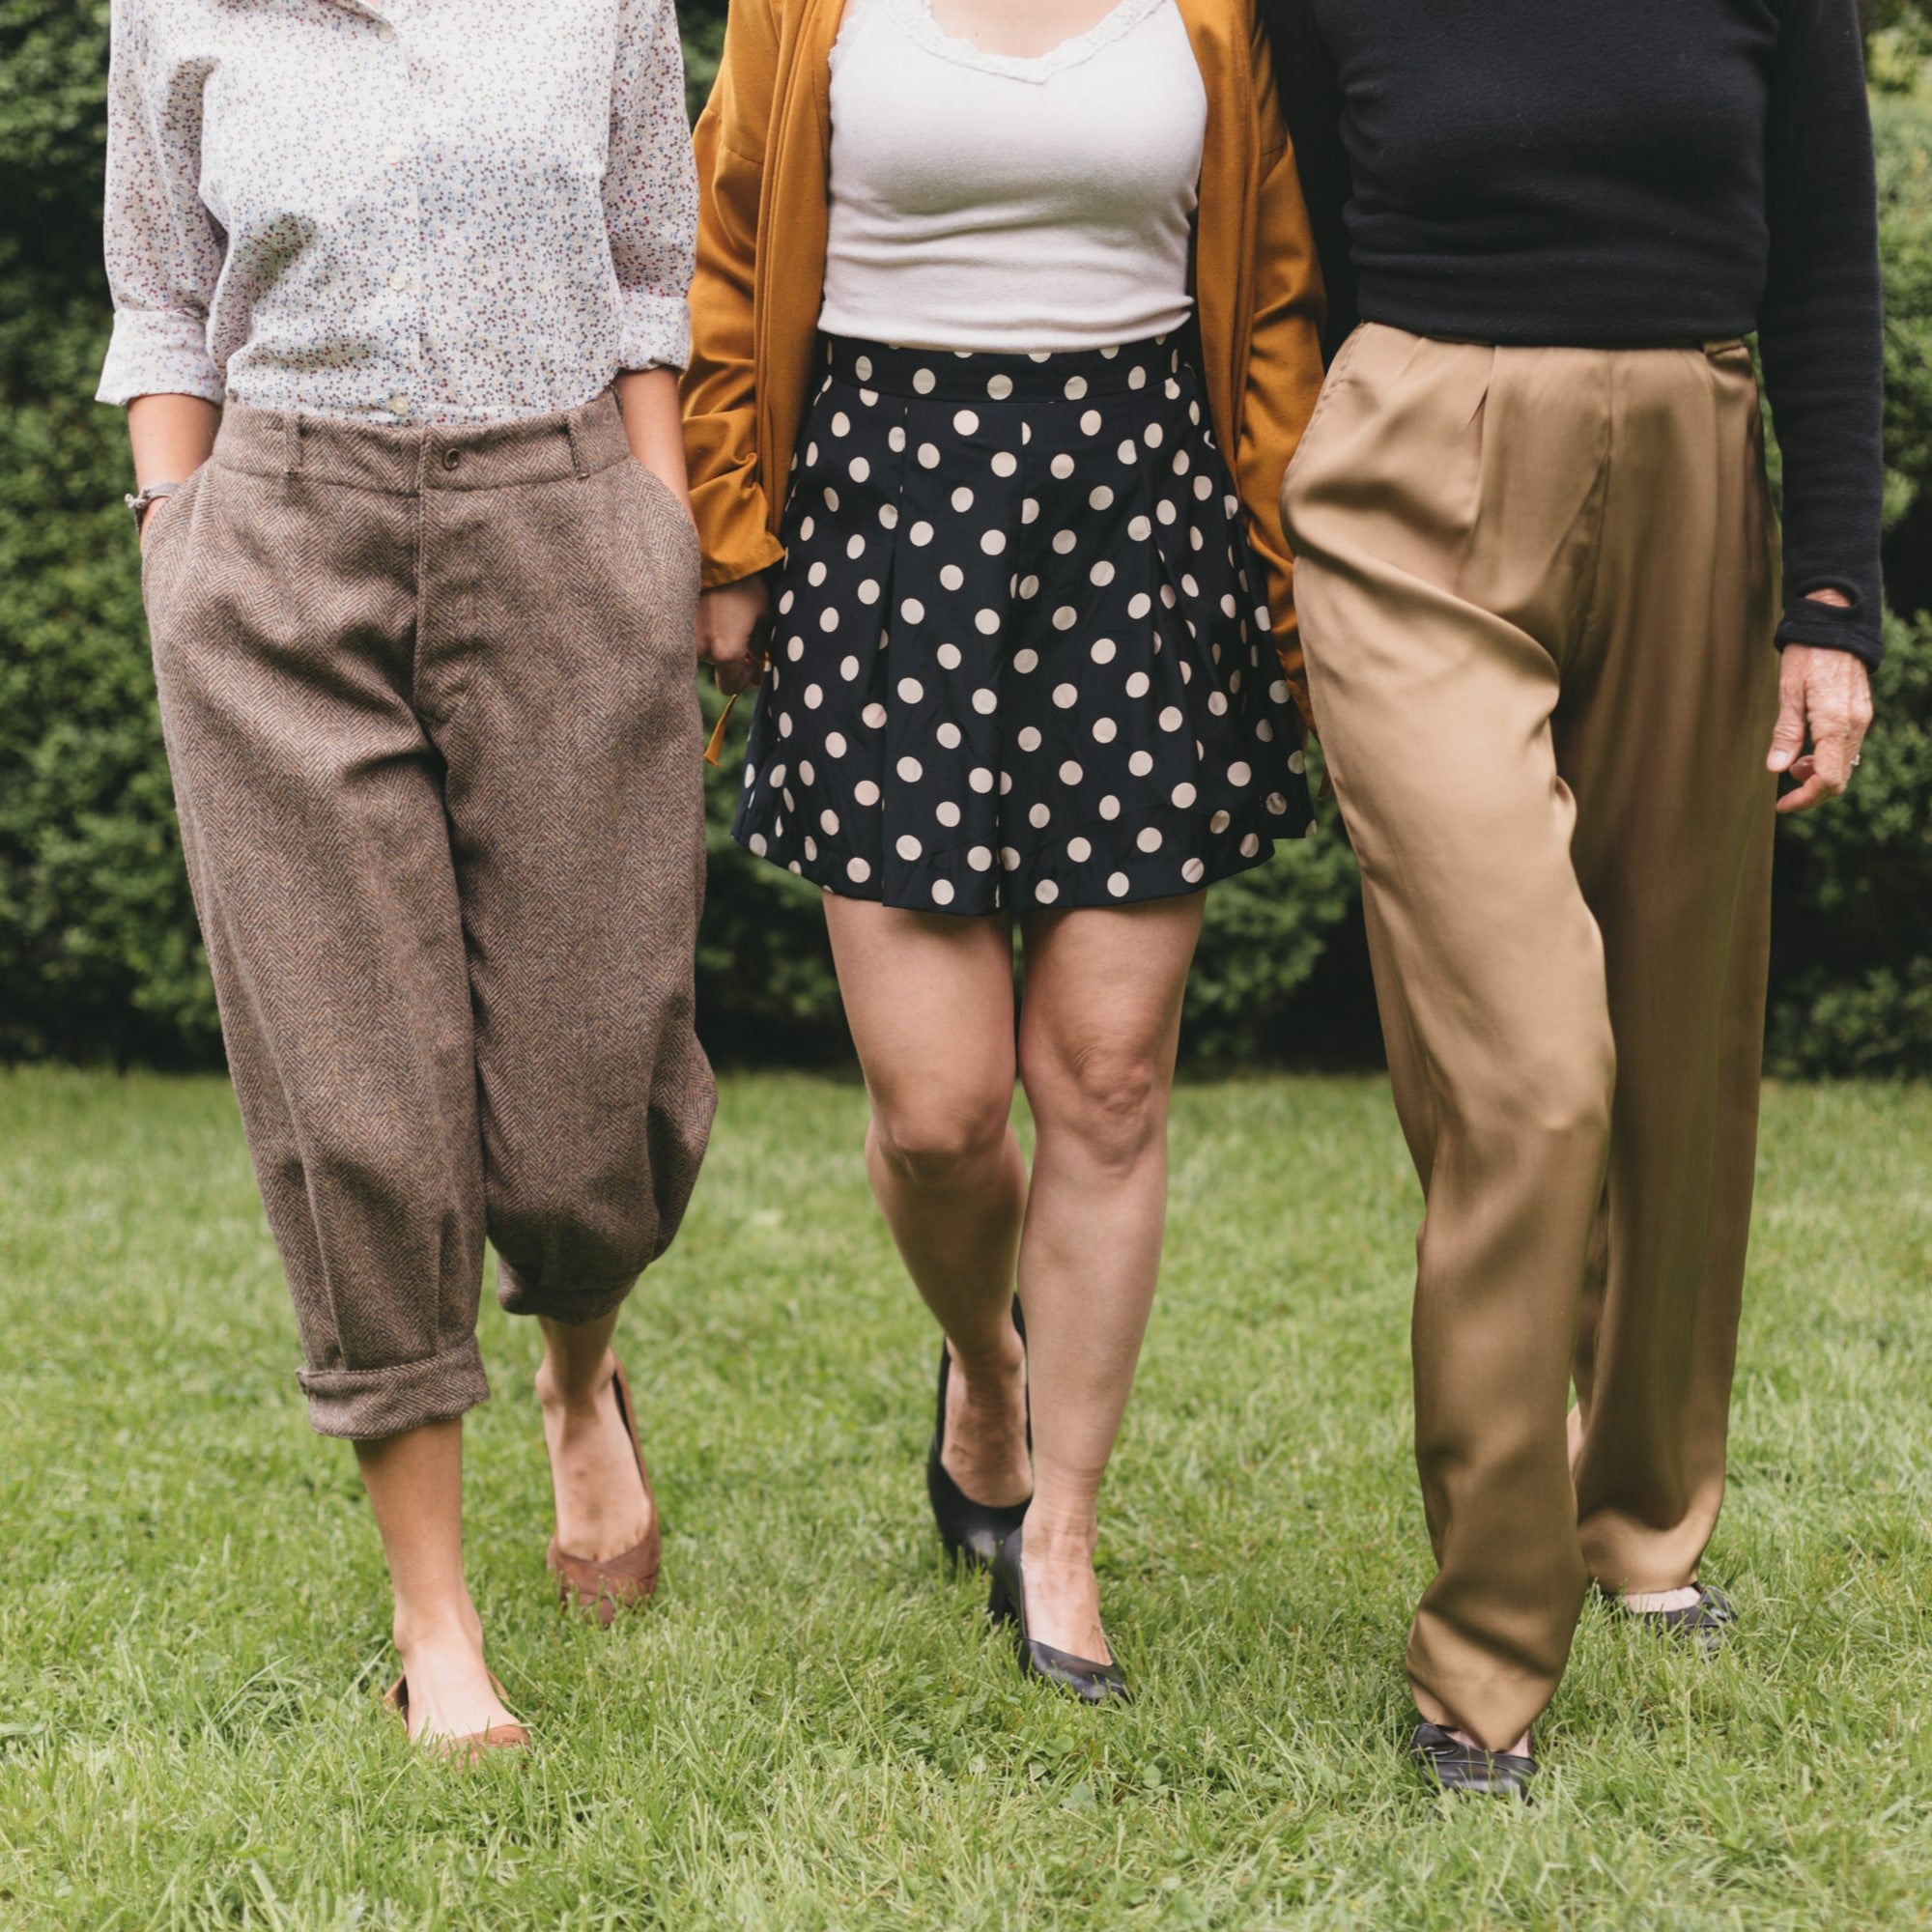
(450,1696)
(985,1448)
(1646,1603)
(1063,1594)
(1520,1748)
(603,1509)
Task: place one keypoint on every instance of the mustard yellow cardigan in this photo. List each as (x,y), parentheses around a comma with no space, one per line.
(762,147)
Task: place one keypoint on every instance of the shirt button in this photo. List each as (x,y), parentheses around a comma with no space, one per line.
(400,279)
(386,33)
(451,458)
(398,404)
(395,156)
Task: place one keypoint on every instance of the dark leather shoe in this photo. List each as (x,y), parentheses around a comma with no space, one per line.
(1090,1682)
(1707,1623)
(971,1531)
(1468,1769)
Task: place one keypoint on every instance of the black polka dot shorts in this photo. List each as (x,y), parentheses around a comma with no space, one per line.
(1020,654)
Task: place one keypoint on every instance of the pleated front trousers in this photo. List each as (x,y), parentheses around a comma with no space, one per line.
(1538,591)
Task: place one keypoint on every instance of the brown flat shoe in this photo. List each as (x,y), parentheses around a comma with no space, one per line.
(619,1582)
(499,1737)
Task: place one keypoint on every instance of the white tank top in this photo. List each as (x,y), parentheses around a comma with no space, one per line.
(988,201)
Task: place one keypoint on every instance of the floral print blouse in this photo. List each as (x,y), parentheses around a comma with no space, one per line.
(424,210)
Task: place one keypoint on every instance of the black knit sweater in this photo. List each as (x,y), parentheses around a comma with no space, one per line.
(1621,175)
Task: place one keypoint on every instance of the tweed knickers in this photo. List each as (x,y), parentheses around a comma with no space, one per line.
(430,712)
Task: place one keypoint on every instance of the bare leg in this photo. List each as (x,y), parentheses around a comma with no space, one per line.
(603,1508)
(1099,1032)
(415,1488)
(930,1002)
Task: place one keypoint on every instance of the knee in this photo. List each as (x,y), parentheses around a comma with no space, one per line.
(936,1139)
(1564,1094)
(1111,1098)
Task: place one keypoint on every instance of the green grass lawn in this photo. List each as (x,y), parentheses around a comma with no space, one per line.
(812,1728)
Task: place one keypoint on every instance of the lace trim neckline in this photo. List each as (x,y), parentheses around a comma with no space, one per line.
(917,18)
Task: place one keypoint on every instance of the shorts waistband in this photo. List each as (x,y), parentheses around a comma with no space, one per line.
(998,376)
(404,458)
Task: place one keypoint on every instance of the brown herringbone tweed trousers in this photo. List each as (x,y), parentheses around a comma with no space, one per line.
(429,705)
(1538,589)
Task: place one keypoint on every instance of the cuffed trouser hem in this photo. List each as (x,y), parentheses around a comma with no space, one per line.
(365,1405)
(573,1307)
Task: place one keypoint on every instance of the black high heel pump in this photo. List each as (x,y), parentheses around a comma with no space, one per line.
(1090,1682)
(970,1531)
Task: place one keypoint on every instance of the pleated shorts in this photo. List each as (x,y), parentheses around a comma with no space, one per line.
(1021,654)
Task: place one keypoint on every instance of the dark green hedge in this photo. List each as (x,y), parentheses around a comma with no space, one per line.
(97,951)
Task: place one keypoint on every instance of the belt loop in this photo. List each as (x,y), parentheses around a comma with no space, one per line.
(291,442)
(573,431)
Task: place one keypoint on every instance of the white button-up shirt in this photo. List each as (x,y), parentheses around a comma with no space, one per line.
(433,210)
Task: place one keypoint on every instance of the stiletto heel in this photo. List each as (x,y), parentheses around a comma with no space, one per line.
(970,1531)
(1005,1604)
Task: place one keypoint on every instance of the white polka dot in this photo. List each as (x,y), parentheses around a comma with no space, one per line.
(1119,882)
(828,620)
(1238,773)
(908,847)
(1276,803)
(784,724)
(1170,719)
(985,702)
(815,696)
(790,597)
(1129,452)
(942,892)
(810,846)
(980,779)
(1071,773)
(827,822)
(1079,851)
(993,542)
(1029,589)
(1066,697)
(1264,730)
(966,422)
(861,368)
(1102,573)
(896,439)
(1137,378)
(889,515)
(929,456)
(1141,764)
(1005,462)
(1089,423)
(962,498)
(1063,541)
(1029,738)
(1194,871)
(1030,510)
(948,656)
(947,812)
(1296,763)
(777,775)
(1066,617)
(1046,891)
(1061,465)
(1137,684)
(1183,794)
(924,381)
(1105,730)
(920,533)
(1139,605)
(1250,845)
(1140,530)
(757,843)
(1102,652)
(855,549)
(1038,817)
(1076,388)
(848,668)
(869,590)
(834,744)
(1100,498)
(999,387)
(986,622)
(859,470)
(1150,839)
(857,871)
(1219,822)
(795,649)
(911,691)
(873,715)
(949,735)
(912,609)
(1165,513)
(1026,660)
(817,575)
(910,768)
(1110,807)
(831,497)
(865,792)
(1217,703)
(981,857)
(1010,859)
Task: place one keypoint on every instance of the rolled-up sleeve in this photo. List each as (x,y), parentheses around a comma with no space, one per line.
(164,248)
(650,190)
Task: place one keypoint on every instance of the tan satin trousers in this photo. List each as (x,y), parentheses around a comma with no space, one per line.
(1537,590)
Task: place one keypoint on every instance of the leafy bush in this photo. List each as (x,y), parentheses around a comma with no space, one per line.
(98,955)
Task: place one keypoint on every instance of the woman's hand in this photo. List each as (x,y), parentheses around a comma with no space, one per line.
(733,623)
(1825,694)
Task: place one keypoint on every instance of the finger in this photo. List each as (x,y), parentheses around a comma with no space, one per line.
(1813,791)
(1832,750)
(1787,736)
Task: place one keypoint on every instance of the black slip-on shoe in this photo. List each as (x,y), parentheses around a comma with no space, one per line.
(1468,1769)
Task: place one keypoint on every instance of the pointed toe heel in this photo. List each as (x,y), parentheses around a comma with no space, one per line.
(969,1531)
(1081,1677)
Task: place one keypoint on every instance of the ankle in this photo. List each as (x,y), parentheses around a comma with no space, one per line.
(577,1393)
(438,1628)
(990,1371)
(1061,1537)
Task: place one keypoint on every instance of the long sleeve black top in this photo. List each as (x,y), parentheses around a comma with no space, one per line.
(1624,176)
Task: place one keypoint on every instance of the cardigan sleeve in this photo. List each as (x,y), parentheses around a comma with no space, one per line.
(1283,361)
(720,395)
